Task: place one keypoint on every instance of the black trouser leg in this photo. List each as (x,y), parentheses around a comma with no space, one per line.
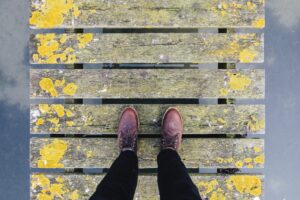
(174,182)
(121,180)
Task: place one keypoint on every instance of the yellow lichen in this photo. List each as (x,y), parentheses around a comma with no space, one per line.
(44,108)
(259,23)
(259,159)
(51,154)
(247,56)
(39,122)
(251,5)
(35,57)
(248,160)
(59,83)
(47,85)
(256,149)
(69,113)
(220,160)
(50,51)
(245,184)
(70,123)
(239,164)
(48,190)
(89,154)
(208,187)
(52,13)
(238,81)
(60,179)
(221,121)
(250,166)
(70,89)
(84,39)
(54,120)
(217,195)
(74,195)
(255,124)
(223,92)
(59,109)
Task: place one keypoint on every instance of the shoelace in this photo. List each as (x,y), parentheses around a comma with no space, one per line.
(170,141)
(127,140)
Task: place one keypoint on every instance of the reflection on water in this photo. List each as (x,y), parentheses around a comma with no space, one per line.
(287,12)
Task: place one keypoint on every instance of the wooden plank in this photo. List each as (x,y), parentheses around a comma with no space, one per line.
(100,152)
(147,83)
(147,14)
(74,186)
(146,48)
(103,119)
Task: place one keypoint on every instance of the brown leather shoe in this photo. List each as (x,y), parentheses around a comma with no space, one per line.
(172,129)
(127,131)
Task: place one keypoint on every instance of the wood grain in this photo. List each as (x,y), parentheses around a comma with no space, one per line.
(101,152)
(147,83)
(103,119)
(83,186)
(148,14)
(146,48)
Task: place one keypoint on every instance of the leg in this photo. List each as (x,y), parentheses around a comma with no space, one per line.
(174,181)
(121,180)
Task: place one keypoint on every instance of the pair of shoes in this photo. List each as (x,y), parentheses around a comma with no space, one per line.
(172,129)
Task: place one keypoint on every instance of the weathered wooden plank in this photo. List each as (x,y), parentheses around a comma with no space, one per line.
(147,83)
(235,187)
(100,152)
(146,48)
(147,14)
(103,119)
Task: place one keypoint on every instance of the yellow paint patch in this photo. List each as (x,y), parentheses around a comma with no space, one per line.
(238,81)
(39,122)
(47,85)
(247,56)
(259,159)
(59,109)
(84,39)
(44,108)
(70,89)
(245,184)
(259,23)
(52,153)
(52,13)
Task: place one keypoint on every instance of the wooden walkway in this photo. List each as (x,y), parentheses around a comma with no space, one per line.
(77,136)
